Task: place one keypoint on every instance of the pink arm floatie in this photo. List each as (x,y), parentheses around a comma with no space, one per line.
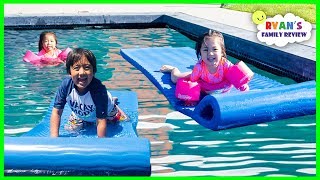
(64,54)
(239,75)
(40,60)
(30,57)
(187,90)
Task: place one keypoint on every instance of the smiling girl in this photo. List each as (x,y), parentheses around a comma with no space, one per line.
(212,66)
(48,45)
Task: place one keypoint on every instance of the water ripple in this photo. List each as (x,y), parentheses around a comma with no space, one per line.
(281,146)
(302,151)
(233,172)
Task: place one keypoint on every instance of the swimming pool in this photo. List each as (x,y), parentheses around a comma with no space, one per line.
(179,145)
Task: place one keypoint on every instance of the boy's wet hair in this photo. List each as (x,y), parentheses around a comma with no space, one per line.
(211,33)
(75,56)
(41,38)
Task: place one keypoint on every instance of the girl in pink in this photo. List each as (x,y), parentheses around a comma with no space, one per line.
(212,66)
(49,54)
(48,48)
(48,45)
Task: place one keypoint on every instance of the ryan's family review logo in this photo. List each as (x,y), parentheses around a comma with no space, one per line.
(281,30)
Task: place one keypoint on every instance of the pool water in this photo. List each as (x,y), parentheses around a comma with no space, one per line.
(179,146)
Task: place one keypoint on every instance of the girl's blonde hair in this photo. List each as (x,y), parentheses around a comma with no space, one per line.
(211,33)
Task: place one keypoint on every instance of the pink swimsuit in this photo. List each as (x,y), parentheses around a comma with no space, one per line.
(56,53)
(210,81)
(218,82)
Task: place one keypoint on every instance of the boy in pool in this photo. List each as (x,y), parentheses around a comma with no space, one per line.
(87,97)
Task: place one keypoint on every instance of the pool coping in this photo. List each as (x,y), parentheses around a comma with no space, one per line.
(297,61)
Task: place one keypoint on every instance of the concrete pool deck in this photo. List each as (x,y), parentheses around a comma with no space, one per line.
(296,60)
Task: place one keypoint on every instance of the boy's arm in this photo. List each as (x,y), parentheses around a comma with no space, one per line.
(55,122)
(101,127)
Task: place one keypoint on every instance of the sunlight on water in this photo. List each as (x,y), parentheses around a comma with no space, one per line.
(147,125)
(203,143)
(16,131)
(281,146)
(179,145)
(234,172)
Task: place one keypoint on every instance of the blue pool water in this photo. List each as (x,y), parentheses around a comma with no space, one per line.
(180,147)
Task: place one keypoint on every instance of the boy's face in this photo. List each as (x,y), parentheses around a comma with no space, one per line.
(81,74)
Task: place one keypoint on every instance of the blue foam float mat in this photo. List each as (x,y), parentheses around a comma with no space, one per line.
(121,156)
(128,102)
(122,153)
(222,111)
(150,60)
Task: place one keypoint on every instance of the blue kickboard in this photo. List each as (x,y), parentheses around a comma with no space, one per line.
(150,60)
